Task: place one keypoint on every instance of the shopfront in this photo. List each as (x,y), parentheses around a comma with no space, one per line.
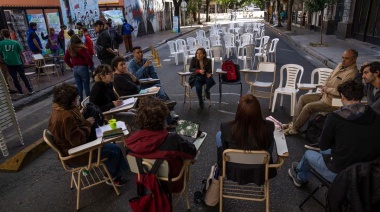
(366,25)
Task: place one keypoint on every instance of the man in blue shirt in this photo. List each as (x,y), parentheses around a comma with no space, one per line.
(127,36)
(34,42)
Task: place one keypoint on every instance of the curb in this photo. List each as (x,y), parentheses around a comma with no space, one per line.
(327,61)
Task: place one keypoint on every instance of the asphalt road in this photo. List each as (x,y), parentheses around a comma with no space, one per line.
(45,186)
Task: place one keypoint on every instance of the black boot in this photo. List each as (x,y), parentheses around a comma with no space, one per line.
(201,104)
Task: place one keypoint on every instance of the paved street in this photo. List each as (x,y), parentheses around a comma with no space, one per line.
(44,185)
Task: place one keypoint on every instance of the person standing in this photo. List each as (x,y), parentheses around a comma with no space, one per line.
(127,36)
(4,70)
(34,42)
(53,42)
(11,51)
(79,59)
(103,45)
(61,37)
(112,31)
(88,42)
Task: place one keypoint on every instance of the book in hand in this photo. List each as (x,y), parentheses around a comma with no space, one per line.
(149,90)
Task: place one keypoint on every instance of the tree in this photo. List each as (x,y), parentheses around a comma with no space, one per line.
(278,14)
(318,6)
(290,16)
(207,12)
(241,3)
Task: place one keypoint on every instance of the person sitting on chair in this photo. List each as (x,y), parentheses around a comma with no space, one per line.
(308,104)
(153,141)
(371,76)
(348,137)
(248,131)
(201,69)
(70,129)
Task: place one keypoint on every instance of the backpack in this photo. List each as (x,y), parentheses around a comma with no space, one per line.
(232,69)
(155,200)
(314,128)
(116,36)
(91,110)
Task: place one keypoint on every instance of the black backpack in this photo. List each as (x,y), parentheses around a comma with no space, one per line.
(116,36)
(91,110)
(314,128)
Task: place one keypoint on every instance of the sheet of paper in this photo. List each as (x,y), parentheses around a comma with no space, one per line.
(126,102)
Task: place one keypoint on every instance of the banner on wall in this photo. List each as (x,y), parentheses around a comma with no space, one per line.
(84,11)
(63,10)
(175,24)
(115,15)
(41,27)
(53,20)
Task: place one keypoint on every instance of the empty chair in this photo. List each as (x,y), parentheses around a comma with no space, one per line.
(40,63)
(201,33)
(263,40)
(272,50)
(174,50)
(186,55)
(246,54)
(206,45)
(229,44)
(180,44)
(199,40)
(292,72)
(215,40)
(216,56)
(191,43)
(266,69)
(244,40)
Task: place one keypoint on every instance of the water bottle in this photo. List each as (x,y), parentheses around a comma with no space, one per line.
(85,172)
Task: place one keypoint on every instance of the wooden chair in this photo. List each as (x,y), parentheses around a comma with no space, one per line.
(85,101)
(97,171)
(250,191)
(163,174)
(40,63)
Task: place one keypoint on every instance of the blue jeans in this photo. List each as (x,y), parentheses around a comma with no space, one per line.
(13,70)
(198,83)
(116,163)
(82,78)
(313,159)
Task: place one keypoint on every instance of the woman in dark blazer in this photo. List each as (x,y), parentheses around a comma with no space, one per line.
(201,69)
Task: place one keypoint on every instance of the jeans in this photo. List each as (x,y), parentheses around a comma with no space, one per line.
(82,78)
(313,159)
(115,162)
(199,85)
(13,70)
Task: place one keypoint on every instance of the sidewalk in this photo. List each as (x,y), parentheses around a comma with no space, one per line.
(331,55)
(46,87)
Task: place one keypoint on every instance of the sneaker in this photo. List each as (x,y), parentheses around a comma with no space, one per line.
(12,91)
(207,94)
(293,174)
(31,93)
(286,126)
(118,181)
(173,114)
(170,104)
(313,147)
(290,131)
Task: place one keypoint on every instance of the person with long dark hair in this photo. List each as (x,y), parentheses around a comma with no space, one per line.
(201,68)
(248,131)
(79,59)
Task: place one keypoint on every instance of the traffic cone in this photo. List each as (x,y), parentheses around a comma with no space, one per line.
(158,61)
(151,48)
(154,54)
(157,57)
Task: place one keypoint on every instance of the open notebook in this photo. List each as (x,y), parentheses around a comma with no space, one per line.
(126,103)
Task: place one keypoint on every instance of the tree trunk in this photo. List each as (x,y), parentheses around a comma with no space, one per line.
(290,15)
(278,14)
(207,7)
(321,27)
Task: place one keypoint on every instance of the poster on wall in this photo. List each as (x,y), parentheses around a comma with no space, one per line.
(115,15)
(142,15)
(41,27)
(175,24)
(64,11)
(84,11)
(53,20)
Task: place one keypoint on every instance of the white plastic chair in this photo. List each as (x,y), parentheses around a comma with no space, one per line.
(272,50)
(229,43)
(201,33)
(323,74)
(245,55)
(244,40)
(174,50)
(292,72)
(266,69)
(180,44)
(263,40)
(206,45)
(191,43)
(199,40)
(186,55)
(215,40)
(216,56)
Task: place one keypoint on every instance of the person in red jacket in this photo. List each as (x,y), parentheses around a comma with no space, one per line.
(88,42)
(79,59)
(153,141)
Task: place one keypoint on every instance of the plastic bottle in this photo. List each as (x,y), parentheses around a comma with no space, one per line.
(85,172)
